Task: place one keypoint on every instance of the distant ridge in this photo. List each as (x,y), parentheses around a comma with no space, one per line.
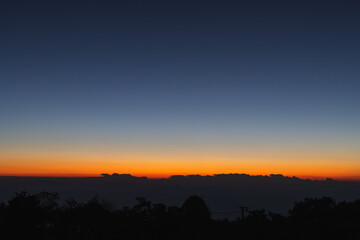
(221,175)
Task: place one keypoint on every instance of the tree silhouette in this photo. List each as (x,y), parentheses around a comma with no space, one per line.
(195,208)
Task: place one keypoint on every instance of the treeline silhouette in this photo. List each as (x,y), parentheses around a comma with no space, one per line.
(44,216)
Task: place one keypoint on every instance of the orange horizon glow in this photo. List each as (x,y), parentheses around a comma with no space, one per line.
(151,168)
(163,163)
(159,175)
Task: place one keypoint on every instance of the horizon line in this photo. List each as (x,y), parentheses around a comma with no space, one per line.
(168,176)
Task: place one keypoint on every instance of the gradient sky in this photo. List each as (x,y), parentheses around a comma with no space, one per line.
(158,88)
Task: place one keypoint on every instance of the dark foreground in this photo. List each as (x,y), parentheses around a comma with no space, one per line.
(222,192)
(41,216)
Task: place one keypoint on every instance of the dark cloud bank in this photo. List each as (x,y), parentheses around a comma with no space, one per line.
(222,192)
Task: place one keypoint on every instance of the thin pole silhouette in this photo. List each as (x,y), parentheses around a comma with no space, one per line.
(243,209)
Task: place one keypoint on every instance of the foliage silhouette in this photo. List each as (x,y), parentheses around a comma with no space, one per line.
(44,216)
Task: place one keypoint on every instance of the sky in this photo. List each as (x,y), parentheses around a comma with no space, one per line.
(157,88)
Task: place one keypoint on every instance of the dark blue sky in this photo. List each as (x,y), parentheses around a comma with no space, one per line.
(270,71)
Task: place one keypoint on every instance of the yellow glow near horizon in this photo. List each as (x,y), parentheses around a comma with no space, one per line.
(165,167)
(92,159)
